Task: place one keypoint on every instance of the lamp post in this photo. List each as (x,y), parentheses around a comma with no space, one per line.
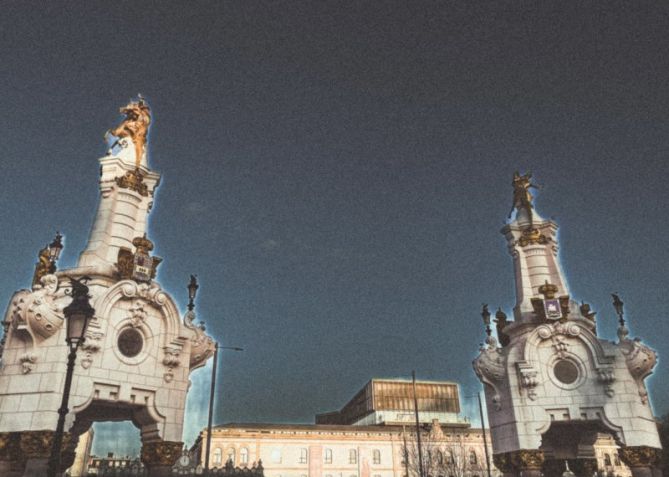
(77,315)
(192,293)
(212,393)
(55,248)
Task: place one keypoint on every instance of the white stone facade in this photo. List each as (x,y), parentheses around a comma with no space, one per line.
(139,351)
(553,385)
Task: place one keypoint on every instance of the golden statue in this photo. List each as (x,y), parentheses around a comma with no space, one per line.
(522,198)
(135,126)
(43,266)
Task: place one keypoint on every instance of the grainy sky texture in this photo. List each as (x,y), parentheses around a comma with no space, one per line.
(337,173)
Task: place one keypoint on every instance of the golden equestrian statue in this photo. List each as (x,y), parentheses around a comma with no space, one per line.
(135,126)
(522,198)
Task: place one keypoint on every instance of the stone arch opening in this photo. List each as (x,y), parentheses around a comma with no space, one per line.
(574,442)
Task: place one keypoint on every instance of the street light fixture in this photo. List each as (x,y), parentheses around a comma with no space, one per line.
(77,315)
(192,292)
(55,248)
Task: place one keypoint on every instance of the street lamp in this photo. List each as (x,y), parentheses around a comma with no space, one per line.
(618,305)
(55,248)
(77,315)
(192,292)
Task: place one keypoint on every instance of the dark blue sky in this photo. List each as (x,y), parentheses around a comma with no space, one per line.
(337,173)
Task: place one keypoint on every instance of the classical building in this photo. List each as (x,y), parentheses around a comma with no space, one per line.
(373,435)
(138,351)
(555,391)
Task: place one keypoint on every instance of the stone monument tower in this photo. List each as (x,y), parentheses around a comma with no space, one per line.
(138,352)
(552,385)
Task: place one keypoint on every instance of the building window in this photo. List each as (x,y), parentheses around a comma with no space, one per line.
(616,459)
(352,456)
(451,459)
(243,456)
(328,456)
(376,456)
(276,456)
(472,458)
(231,456)
(303,456)
(440,458)
(607,460)
(218,456)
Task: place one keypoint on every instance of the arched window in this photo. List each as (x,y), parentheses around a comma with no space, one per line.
(440,458)
(451,458)
(243,456)
(304,456)
(616,459)
(230,456)
(218,456)
(376,456)
(328,456)
(352,456)
(472,457)
(607,460)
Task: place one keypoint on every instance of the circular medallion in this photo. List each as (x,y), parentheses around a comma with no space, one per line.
(130,342)
(566,371)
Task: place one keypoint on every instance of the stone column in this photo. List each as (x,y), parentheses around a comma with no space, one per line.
(159,456)
(11,462)
(641,459)
(528,462)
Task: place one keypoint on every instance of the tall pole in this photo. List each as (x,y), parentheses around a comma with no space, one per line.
(54,460)
(211,410)
(415,407)
(485,440)
(406,451)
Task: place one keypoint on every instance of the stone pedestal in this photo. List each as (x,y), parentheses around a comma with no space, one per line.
(159,456)
(11,464)
(642,460)
(520,463)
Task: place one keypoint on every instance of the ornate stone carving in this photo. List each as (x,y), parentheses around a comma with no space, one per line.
(606,376)
(39,310)
(138,266)
(528,378)
(641,456)
(90,346)
(532,236)
(135,126)
(523,459)
(150,292)
(137,313)
(171,361)
(490,367)
(27,361)
(526,459)
(37,444)
(133,180)
(640,361)
(161,453)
